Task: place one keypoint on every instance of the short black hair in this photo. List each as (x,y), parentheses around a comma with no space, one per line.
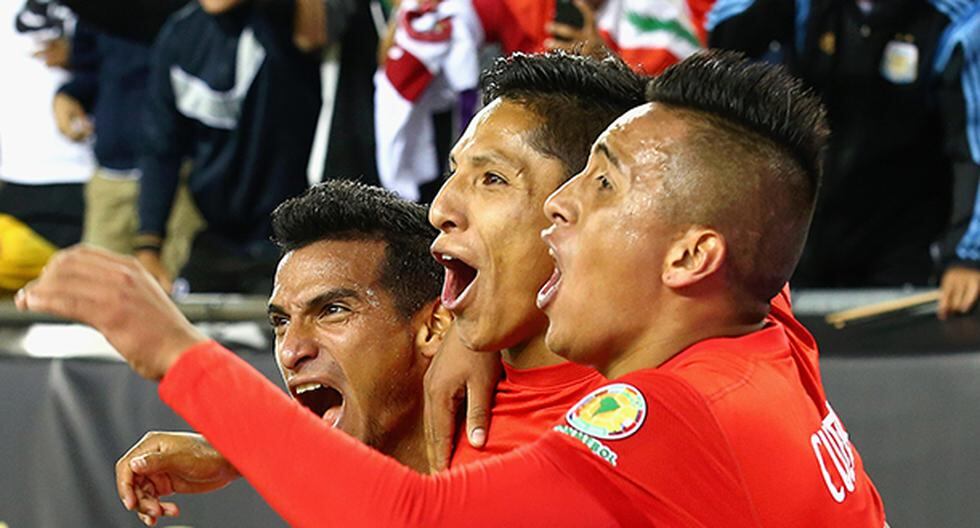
(348,210)
(758,96)
(758,137)
(576,97)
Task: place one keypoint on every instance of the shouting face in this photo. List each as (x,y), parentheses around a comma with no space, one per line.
(344,350)
(489,217)
(609,240)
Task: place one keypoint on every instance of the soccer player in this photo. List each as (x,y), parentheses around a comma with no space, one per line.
(687,221)
(543,113)
(356,321)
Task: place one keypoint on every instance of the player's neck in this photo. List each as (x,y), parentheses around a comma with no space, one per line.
(532,353)
(679,330)
(408,445)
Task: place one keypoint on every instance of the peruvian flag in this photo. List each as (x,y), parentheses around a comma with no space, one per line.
(434,57)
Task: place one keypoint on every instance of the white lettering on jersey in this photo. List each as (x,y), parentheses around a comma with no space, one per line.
(832,442)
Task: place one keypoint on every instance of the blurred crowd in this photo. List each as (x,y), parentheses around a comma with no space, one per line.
(170,129)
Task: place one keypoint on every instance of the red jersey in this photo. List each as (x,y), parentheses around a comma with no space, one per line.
(527,403)
(730,432)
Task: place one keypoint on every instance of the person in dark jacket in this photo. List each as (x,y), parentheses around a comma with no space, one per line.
(105,95)
(901,81)
(235,88)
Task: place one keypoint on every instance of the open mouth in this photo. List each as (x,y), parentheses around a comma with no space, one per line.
(324,401)
(547,292)
(458,281)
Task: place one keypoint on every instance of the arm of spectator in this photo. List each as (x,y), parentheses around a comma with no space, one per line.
(215,7)
(165,133)
(55,53)
(960,290)
(457,373)
(71,118)
(959,77)
(585,40)
(315,24)
(147,253)
(76,97)
(310,25)
(165,463)
(751,26)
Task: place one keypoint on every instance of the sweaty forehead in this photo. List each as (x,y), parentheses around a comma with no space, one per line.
(647,137)
(501,131)
(350,264)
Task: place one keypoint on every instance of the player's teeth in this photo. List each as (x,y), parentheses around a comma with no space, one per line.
(306,387)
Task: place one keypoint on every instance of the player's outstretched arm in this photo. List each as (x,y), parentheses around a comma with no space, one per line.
(308,471)
(165,463)
(303,468)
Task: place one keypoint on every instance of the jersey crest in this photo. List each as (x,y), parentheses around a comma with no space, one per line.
(612,412)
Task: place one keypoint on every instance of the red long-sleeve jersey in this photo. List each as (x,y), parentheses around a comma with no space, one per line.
(526,404)
(730,432)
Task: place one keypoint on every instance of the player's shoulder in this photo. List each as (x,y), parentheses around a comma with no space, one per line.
(625,402)
(635,413)
(715,373)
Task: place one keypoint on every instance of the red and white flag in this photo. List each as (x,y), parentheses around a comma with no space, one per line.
(434,57)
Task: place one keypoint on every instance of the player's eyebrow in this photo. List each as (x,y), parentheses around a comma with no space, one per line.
(604,149)
(327,297)
(487,156)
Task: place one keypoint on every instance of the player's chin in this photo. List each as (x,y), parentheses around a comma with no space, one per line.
(557,341)
(479,330)
(471,329)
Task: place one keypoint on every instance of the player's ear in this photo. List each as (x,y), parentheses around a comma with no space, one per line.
(694,257)
(434,329)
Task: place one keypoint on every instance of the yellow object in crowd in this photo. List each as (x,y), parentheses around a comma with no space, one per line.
(23,253)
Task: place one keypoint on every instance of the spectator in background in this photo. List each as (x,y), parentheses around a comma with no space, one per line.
(432,58)
(647,35)
(901,81)
(430,63)
(234,87)
(108,89)
(344,141)
(41,173)
(346,148)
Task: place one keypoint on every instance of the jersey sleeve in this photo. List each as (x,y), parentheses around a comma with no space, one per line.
(672,469)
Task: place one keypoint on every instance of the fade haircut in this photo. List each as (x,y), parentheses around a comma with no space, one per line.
(576,97)
(347,210)
(752,165)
